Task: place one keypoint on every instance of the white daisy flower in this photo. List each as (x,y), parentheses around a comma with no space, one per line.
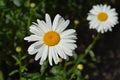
(51,39)
(102,18)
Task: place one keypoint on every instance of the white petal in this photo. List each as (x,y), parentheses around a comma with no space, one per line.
(35,30)
(93,12)
(68,32)
(63,26)
(40,53)
(100,28)
(60,52)
(68,37)
(97,9)
(50,56)
(45,53)
(33,51)
(90,17)
(61,21)
(48,21)
(96,24)
(32,38)
(70,46)
(68,40)
(42,25)
(72,37)
(55,21)
(66,50)
(55,56)
(104,7)
(33,47)
(93,22)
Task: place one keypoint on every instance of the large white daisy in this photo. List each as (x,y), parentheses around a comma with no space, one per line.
(102,18)
(51,39)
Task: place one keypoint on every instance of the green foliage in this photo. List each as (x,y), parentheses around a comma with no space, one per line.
(1,76)
(15,18)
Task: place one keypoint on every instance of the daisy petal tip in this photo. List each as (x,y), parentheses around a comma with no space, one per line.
(46,14)
(41,62)
(36,58)
(56,62)
(29,52)
(70,54)
(26,38)
(58,15)
(51,64)
(38,21)
(68,21)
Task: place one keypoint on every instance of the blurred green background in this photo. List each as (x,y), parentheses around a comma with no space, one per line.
(17,15)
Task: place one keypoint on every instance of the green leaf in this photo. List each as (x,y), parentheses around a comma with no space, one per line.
(16,59)
(26,3)
(22,78)
(23,57)
(17,3)
(91,65)
(43,67)
(88,48)
(69,63)
(92,55)
(58,72)
(32,76)
(1,76)
(2,4)
(75,56)
(13,72)
(79,75)
(23,68)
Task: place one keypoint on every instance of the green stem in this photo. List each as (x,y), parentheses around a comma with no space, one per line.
(20,73)
(92,44)
(89,48)
(42,72)
(86,52)
(75,26)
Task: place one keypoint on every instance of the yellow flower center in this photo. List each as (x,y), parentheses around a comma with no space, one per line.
(51,38)
(102,16)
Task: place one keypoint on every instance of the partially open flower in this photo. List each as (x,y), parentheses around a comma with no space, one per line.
(76,22)
(18,49)
(80,67)
(32,5)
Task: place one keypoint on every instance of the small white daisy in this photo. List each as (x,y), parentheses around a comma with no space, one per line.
(51,39)
(102,18)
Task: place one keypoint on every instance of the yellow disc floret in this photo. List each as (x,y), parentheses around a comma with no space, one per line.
(51,38)
(102,16)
